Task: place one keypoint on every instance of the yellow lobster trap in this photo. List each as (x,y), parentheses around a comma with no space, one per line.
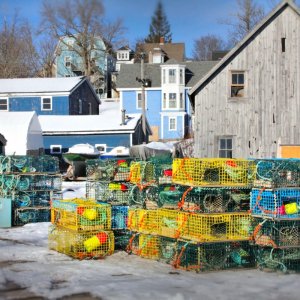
(81,215)
(213,172)
(143,220)
(81,245)
(142,172)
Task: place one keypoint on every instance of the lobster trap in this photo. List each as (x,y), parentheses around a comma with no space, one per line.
(30,182)
(286,260)
(119,217)
(108,169)
(275,233)
(144,245)
(81,215)
(28,164)
(162,168)
(122,238)
(277,203)
(206,199)
(144,196)
(276,173)
(143,220)
(25,215)
(142,172)
(81,245)
(213,172)
(114,193)
(188,255)
(32,198)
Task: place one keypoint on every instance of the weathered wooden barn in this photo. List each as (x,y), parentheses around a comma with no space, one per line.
(248,105)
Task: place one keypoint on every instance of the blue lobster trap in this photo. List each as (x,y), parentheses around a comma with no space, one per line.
(119,217)
(276,203)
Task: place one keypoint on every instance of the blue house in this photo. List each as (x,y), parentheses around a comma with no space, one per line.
(168,109)
(70,62)
(49,96)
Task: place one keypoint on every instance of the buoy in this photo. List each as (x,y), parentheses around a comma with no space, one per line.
(95,241)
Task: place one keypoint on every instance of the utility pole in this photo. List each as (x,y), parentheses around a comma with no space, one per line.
(143,97)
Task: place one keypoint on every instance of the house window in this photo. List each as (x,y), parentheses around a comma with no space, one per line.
(55,149)
(181,76)
(4,104)
(165,101)
(68,61)
(172,76)
(237,84)
(164,76)
(139,104)
(172,123)
(47,103)
(101,148)
(225,147)
(181,100)
(80,106)
(172,100)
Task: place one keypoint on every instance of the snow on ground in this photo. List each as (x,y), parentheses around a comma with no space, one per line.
(26,260)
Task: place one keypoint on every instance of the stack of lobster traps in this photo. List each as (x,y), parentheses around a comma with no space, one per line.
(199,215)
(81,228)
(30,182)
(275,207)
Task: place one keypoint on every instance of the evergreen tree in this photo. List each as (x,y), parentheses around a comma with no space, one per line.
(159,26)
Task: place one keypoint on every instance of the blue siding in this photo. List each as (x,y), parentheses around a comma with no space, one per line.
(60,105)
(178,134)
(68,141)
(153,107)
(129,102)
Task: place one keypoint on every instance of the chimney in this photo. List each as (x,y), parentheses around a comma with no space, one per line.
(161,40)
(123,116)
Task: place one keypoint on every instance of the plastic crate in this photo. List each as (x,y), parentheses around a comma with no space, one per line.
(81,215)
(213,172)
(283,203)
(25,215)
(275,173)
(275,233)
(119,217)
(81,245)
(285,260)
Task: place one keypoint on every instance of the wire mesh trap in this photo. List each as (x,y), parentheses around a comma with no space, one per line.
(119,217)
(25,215)
(81,245)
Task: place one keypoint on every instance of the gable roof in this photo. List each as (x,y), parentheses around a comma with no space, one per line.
(129,72)
(40,85)
(172,50)
(241,45)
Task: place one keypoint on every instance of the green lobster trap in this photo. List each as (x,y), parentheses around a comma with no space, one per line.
(25,215)
(286,260)
(81,215)
(213,172)
(81,245)
(142,172)
(277,172)
(32,198)
(108,169)
(275,233)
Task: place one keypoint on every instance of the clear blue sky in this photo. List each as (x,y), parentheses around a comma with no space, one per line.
(189,19)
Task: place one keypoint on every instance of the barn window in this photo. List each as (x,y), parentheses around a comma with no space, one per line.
(4,104)
(46,103)
(225,147)
(55,149)
(237,84)
(172,124)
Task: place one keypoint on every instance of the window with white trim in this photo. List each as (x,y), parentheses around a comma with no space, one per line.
(172,100)
(172,76)
(237,88)
(4,104)
(101,148)
(181,101)
(165,101)
(172,124)
(46,103)
(181,76)
(225,147)
(55,149)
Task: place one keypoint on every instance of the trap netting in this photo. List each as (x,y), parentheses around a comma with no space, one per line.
(162,168)
(29,182)
(119,217)
(276,173)
(205,199)
(81,215)
(122,238)
(275,233)
(108,169)
(32,199)
(25,215)
(213,172)
(192,226)
(142,172)
(276,203)
(114,193)
(28,164)
(286,260)
(81,245)
(189,255)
